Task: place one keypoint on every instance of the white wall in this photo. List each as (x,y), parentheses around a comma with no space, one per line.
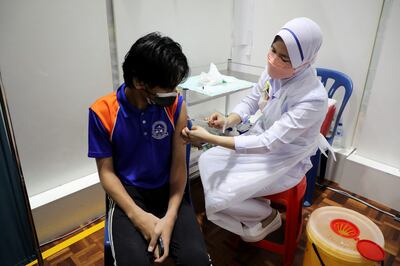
(54,60)
(68,213)
(348,27)
(203,28)
(373,169)
(379,128)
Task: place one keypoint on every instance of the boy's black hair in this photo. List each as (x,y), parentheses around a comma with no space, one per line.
(155,60)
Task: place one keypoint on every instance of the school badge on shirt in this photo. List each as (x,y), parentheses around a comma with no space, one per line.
(159,130)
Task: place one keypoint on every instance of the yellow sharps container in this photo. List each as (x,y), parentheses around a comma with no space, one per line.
(339,236)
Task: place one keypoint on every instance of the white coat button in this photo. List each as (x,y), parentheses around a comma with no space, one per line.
(144,121)
(145,133)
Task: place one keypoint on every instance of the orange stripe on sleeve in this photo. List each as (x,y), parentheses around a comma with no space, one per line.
(106,108)
(171,111)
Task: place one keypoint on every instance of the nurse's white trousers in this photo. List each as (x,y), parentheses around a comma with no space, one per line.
(215,165)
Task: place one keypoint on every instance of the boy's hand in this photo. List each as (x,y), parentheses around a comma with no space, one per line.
(163,229)
(147,224)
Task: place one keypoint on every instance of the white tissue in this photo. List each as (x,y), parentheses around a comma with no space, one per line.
(213,77)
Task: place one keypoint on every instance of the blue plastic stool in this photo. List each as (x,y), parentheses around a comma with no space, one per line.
(340,80)
(108,257)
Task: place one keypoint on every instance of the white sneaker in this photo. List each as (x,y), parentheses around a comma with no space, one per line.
(258,232)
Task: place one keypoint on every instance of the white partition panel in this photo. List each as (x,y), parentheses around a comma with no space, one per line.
(349,29)
(203,28)
(54,61)
(380,128)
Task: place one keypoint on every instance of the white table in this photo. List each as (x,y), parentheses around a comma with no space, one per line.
(201,98)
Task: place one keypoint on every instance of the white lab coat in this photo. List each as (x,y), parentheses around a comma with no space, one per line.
(271,157)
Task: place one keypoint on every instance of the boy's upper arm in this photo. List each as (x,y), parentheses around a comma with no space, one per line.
(180,124)
(178,164)
(102,118)
(98,138)
(178,144)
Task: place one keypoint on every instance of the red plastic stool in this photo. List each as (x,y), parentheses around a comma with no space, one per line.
(292,199)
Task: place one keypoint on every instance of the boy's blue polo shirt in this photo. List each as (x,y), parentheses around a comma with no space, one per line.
(139,141)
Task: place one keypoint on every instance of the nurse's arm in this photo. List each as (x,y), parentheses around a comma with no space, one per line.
(224,141)
(289,127)
(199,134)
(249,104)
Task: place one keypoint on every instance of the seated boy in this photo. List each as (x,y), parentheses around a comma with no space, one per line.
(134,134)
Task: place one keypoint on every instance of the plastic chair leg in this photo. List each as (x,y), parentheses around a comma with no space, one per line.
(311,177)
(323,161)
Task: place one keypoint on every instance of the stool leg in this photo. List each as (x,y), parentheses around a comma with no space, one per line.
(291,232)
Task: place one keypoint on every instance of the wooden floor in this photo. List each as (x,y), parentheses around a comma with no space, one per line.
(223,247)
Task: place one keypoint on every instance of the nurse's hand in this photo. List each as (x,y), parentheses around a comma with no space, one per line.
(216,120)
(197,134)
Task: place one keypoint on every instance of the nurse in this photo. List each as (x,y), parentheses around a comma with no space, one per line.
(274,154)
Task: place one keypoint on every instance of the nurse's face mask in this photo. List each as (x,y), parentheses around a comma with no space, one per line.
(277,68)
(162,99)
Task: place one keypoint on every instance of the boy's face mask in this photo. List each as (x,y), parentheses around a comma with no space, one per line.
(161,98)
(165,99)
